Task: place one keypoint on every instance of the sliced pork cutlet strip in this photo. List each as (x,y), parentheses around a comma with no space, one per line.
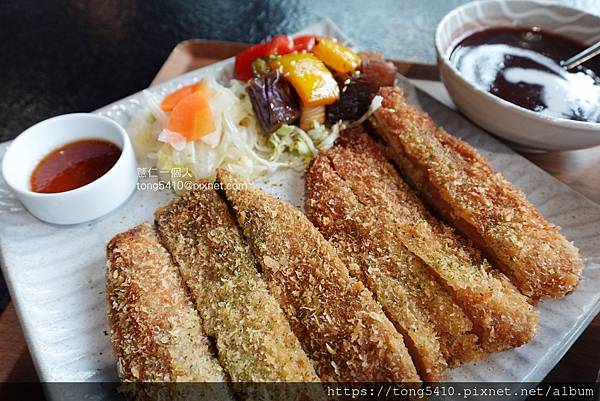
(452,177)
(435,328)
(501,316)
(332,208)
(155,330)
(254,340)
(339,324)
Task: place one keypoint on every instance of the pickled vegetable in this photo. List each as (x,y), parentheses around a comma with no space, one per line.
(336,56)
(192,117)
(313,82)
(171,100)
(273,101)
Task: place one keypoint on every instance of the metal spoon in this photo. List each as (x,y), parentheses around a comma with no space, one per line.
(581,57)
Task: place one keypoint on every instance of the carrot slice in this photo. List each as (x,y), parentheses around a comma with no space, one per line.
(171,100)
(192,117)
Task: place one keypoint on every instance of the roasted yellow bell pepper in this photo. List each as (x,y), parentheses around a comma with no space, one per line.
(313,82)
(338,57)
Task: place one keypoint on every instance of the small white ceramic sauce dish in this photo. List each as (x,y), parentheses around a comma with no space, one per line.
(81,204)
(526,128)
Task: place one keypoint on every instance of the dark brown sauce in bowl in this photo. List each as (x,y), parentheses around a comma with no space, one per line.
(74,165)
(522,66)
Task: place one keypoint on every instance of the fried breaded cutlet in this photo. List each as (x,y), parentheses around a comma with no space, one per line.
(501,316)
(452,177)
(435,328)
(155,330)
(342,329)
(254,340)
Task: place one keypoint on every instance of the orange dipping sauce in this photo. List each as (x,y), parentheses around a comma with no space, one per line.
(74,165)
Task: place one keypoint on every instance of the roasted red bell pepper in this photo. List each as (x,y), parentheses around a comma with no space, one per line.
(243,61)
(280,44)
(304,43)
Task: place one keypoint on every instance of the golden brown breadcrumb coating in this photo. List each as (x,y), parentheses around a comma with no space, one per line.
(501,316)
(482,204)
(253,338)
(155,330)
(342,329)
(434,326)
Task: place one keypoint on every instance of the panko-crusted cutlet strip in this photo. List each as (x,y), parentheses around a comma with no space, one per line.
(332,208)
(253,338)
(334,316)
(434,327)
(501,316)
(482,204)
(155,330)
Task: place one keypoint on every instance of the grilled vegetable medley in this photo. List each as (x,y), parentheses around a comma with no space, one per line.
(327,79)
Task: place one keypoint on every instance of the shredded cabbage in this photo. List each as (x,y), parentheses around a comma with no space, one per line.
(143,128)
